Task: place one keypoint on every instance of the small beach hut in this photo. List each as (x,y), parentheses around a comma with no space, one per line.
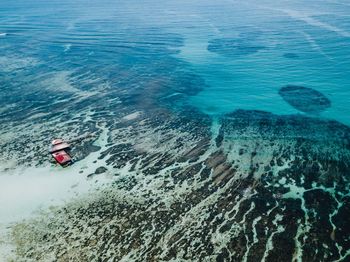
(59,151)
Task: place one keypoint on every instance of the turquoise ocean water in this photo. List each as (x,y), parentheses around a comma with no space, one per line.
(297,43)
(274,44)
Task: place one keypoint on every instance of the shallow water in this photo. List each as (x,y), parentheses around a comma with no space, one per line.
(264,46)
(233,114)
(273,45)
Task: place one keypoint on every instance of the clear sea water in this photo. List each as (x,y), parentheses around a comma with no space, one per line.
(289,42)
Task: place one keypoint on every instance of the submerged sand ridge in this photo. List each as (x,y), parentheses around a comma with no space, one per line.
(247,194)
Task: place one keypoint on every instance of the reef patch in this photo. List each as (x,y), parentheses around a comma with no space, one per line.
(291,55)
(254,195)
(305,99)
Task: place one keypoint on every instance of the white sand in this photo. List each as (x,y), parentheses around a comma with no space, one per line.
(26,190)
(132,116)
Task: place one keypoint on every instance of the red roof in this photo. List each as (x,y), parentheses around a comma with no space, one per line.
(62,157)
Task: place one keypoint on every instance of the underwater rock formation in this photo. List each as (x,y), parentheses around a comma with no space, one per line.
(290,55)
(305,99)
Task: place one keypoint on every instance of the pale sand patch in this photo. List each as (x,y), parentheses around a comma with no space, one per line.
(12,63)
(6,247)
(7,137)
(132,116)
(59,82)
(24,190)
(37,115)
(62,82)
